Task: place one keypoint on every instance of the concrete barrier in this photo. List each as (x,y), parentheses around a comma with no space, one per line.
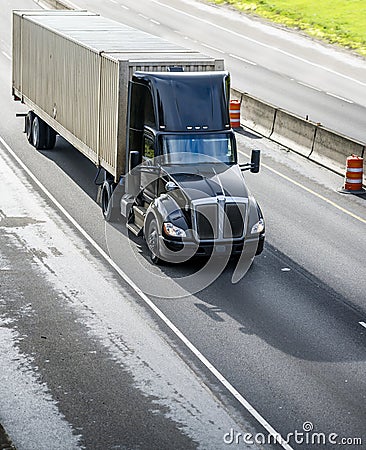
(235,95)
(57,4)
(311,140)
(329,145)
(294,132)
(257,115)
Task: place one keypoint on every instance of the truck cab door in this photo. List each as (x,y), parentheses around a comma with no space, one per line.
(149,173)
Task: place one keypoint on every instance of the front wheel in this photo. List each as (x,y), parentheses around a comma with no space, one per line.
(152,241)
(111,212)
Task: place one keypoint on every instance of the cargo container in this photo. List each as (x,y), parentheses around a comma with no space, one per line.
(132,103)
(73,68)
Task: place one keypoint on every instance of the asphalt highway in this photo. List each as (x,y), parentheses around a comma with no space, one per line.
(112,352)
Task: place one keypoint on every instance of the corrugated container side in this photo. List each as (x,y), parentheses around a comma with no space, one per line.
(62,78)
(108,123)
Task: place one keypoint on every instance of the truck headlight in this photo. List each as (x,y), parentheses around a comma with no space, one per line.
(258,227)
(172,230)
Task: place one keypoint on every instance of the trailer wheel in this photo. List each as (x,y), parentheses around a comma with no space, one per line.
(152,241)
(28,126)
(50,138)
(39,133)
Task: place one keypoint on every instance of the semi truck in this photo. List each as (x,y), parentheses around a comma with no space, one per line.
(154,119)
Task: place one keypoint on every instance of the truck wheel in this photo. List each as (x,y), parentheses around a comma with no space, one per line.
(39,133)
(110,212)
(50,138)
(28,126)
(152,241)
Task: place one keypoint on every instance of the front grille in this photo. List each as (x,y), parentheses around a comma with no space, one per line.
(234,220)
(207,221)
(220,220)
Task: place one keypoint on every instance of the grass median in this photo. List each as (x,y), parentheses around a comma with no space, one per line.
(341,22)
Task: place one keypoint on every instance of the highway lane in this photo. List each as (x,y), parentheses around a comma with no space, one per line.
(288,336)
(281,67)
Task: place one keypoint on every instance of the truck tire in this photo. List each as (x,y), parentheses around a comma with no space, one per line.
(39,133)
(28,126)
(50,138)
(110,212)
(152,241)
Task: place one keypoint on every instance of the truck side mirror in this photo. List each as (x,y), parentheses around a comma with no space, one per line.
(134,159)
(255,161)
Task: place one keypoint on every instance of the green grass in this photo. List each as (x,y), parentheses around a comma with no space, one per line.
(341,22)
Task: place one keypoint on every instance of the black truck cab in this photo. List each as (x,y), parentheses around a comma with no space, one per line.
(185,192)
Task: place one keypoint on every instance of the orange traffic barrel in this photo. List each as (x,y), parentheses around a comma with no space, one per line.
(354,173)
(234,113)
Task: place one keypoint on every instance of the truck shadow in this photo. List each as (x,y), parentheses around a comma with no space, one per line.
(248,133)
(282,304)
(290,309)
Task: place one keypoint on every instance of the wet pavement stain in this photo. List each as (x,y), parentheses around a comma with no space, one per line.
(17,222)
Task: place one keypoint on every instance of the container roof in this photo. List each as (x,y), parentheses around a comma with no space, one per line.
(104,35)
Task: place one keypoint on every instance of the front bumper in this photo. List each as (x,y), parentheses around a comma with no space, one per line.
(186,249)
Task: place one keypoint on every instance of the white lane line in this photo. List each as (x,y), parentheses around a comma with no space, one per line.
(310,191)
(155,22)
(339,97)
(212,48)
(277,437)
(125,7)
(143,16)
(6,55)
(363,324)
(242,59)
(114,1)
(308,86)
(271,47)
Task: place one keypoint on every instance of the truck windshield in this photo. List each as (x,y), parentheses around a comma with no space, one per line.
(196,148)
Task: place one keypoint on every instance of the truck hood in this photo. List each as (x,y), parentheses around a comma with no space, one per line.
(208,180)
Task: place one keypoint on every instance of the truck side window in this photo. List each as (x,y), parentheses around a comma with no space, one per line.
(148,180)
(148,150)
(149,110)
